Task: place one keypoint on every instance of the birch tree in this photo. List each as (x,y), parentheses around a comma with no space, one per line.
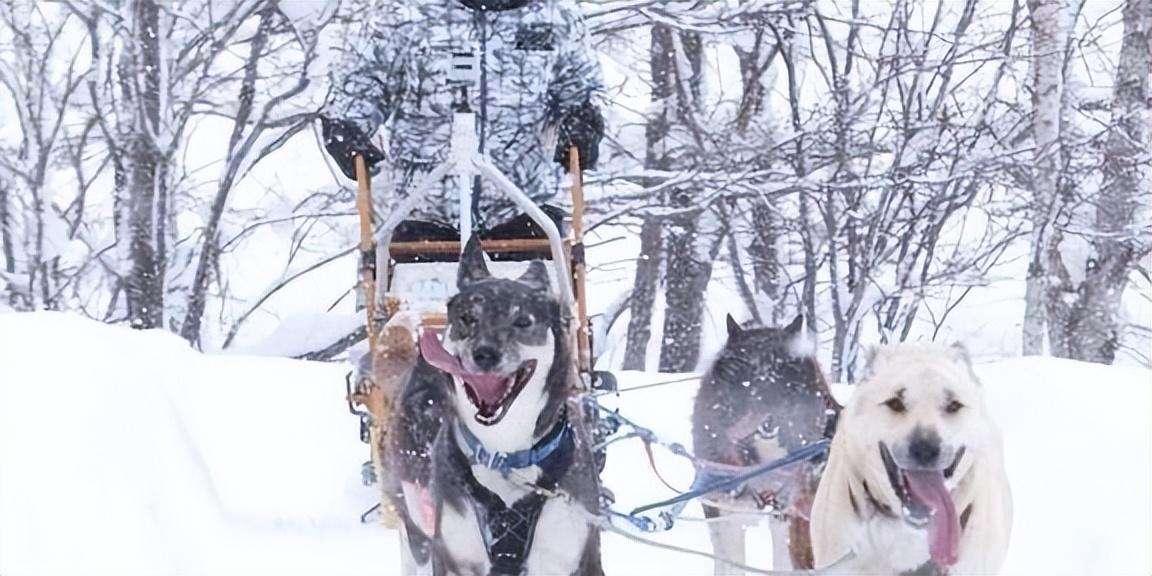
(1047,92)
(1085,319)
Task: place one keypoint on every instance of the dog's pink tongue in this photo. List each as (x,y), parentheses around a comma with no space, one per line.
(927,487)
(489,388)
(435,354)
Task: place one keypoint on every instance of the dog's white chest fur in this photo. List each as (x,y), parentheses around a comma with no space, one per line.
(560,539)
(890,546)
(462,529)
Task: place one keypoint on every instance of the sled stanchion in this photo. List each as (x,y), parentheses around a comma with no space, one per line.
(579,268)
(416,197)
(371,396)
(367,245)
(517,196)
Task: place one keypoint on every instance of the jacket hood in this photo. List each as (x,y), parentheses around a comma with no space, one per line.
(495,5)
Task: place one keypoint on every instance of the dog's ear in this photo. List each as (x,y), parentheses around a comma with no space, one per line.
(960,353)
(734,328)
(797,325)
(472,265)
(872,354)
(801,339)
(536,277)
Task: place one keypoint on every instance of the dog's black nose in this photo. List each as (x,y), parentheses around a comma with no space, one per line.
(924,447)
(486,357)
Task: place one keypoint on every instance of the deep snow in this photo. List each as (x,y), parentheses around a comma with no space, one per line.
(126,453)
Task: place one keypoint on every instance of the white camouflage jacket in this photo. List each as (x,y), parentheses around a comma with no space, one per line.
(536,63)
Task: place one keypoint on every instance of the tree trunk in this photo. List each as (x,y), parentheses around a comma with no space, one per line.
(765,298)
(661,57)
(644,294)
(690,244)
(1047,88)
(766,232)
(140,77)
(237,149)
(691,250)
(751,301)
(6,245)
(1093,328)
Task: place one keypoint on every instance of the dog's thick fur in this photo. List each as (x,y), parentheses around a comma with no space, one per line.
(918,410)
(763,397)
(495,326)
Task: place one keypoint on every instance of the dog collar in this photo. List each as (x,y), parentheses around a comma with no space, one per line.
(505,462)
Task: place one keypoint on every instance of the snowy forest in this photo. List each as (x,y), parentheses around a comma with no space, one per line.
(196,379)
(874,164)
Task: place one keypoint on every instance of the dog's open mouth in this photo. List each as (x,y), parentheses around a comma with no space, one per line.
(928,503)
(492,394)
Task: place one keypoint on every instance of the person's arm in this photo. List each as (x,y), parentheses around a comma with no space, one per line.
(576,91)
(365,90)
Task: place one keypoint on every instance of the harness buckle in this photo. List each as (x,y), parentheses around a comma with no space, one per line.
(498,461)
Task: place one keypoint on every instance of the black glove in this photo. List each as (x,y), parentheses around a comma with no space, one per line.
(582,127)
(344,140)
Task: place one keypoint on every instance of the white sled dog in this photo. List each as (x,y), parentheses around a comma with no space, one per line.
(915,481)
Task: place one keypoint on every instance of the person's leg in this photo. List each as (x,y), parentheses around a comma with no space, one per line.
(522,226)
(424,231)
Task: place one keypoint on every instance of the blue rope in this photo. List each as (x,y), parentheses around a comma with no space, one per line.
(643,433)
(705,482)
(805,453)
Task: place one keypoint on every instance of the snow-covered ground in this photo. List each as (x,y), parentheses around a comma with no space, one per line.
(127,453)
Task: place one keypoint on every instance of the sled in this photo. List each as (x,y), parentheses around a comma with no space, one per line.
(424,286)
(419,275)
(405,285)
(403,295)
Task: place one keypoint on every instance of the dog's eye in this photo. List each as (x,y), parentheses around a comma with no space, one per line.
(896,405)
(522,322)
(467,319)
(954,407)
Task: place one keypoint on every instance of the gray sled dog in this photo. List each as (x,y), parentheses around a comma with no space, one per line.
(915,482)
(484,421)
(764,396)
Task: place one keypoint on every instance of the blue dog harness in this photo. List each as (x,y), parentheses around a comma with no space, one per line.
(505,462)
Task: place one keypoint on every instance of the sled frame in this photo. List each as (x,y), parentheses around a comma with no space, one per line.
(567,251)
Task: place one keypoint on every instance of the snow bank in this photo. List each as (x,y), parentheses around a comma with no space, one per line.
(1078,441)
(126,453)
(300,334)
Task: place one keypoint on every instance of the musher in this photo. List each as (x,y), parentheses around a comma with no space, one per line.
(536,96)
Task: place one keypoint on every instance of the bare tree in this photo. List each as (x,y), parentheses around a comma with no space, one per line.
(643,297)
(39,77)
(156,68)
(258,128)
(1047,70)
(852,207)
(1085,318)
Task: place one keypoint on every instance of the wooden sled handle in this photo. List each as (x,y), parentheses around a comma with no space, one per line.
(367,244)
(579,269)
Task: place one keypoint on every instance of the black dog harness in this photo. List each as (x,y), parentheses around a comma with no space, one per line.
(508,530)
